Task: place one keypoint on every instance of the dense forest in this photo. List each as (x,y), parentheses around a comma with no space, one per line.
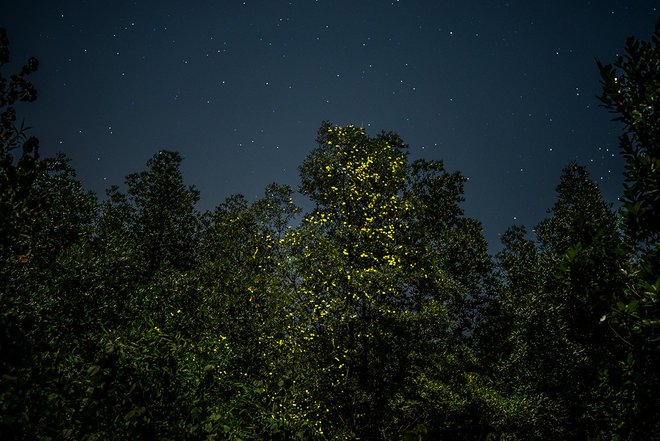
(379,314)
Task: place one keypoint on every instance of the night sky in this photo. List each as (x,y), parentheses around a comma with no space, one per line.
(504,91)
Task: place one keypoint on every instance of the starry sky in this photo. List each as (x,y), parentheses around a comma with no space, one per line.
(503,91)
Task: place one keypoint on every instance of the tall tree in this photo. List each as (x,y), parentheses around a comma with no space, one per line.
(16,174)
(556,293)
(19,317)
(631,91)
(44,215)
(350,262)
(582,244)
(379,281)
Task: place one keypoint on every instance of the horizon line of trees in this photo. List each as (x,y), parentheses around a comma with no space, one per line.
(378,314)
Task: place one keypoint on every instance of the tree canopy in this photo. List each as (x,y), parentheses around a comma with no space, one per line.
(377,314)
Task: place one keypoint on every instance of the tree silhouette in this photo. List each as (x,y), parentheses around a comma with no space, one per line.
(630,90)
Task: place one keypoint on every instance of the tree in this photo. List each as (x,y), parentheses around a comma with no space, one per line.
(153,227)
(582,244)
(556,291)
(454,244)
(631,88)
(18,318)
(382,284)
(348,260)
(527,340)
(164,221)
(16,176)
(45,215)
(582,235)
(243,275)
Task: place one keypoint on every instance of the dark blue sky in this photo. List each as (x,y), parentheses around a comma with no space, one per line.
(503,91)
